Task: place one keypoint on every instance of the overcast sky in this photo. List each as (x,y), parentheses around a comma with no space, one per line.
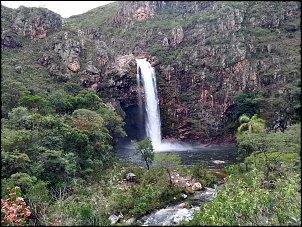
(64,8)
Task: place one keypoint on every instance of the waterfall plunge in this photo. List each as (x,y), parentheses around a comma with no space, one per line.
(153,124)
(145,72)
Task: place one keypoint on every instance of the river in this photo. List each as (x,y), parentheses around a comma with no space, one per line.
(191,155)
(215,157)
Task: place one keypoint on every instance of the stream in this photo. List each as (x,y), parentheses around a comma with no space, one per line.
(215,157)
(174,213)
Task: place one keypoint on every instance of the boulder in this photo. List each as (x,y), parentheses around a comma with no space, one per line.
(197,187)
(131,220)
(115,218)
(218,162)
(132,177)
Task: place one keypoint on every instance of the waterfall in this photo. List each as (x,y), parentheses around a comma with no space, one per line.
(140,120)
(152,124)
(146,75)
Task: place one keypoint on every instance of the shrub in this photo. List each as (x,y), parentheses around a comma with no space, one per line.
(14,210)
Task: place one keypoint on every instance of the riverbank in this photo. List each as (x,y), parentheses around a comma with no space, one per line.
(174,213)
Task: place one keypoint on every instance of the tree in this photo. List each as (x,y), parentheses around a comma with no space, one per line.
(23,180)
(13,144)
(14,210)
(247,103)
(62,102)
(11,92)
(58,166)
(270,151)
(168,161)
(251,126)
(92,124)
(88,100)
(36,103)
(145,149)
(38,198)
(16,117)
(13,162)
(113,122)
(87,120)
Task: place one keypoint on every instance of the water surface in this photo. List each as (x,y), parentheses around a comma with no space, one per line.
(190,156)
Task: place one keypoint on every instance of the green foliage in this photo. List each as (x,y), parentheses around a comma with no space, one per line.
(252,125)
(151,193)
(168,161)
(13,143)
(85,206)
(260,31)
(22,180)
(146,194)
(246,103)
(61,102)
(244,119)
(87,120)
(11,92)
(36,102)
(145,149)
(94,18)
(235,169)
(234,4)
(203,175)
(272,152)
(89,217)
(58,167)
(88,100)
(155,175)
(246,203)
(38,194)
(266,193)
(92,124)
(16,117)
(72,88)
(54,133)
(60,147)
(75,141)
(114,122)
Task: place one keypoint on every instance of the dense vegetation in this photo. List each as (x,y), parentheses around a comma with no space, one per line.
(59,140)
(266,188)
(60,152)
(68,174)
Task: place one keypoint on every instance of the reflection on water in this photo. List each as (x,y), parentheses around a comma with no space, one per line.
(191,156)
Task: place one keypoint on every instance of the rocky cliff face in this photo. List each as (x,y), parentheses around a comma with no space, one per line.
(213,55)
(32,23)
(204,54)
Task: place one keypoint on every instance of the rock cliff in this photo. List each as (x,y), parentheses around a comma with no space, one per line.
(205,54)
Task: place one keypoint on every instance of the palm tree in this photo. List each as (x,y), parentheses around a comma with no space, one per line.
(253,124)
(250,125)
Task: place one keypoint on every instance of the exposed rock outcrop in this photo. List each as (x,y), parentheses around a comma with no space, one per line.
(36,23)
(204,53)
(9,41)
(33,23)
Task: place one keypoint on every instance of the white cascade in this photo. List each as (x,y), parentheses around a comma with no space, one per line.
(153,124)
(141,111)
(145,72)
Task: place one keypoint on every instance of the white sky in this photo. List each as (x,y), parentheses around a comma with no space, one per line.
(64,8)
